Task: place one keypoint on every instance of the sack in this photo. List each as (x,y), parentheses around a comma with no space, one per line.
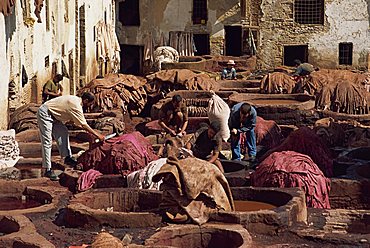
(219,111)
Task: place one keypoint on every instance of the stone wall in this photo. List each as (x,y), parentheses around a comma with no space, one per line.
(4,77)
(344,21)
(158,17)
(40,48)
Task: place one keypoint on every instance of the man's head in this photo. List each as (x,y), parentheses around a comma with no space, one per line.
(297,62)
(230,63)
(57,78)
(245,111)
(176,100)
(88,99)
(213,129)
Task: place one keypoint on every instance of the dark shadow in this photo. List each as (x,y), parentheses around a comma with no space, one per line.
(10,26)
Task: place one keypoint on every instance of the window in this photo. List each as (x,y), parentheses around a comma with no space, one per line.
(129,14)
(345,53)
(309,11)
(200,15)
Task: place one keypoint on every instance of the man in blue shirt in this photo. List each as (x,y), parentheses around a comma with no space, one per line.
(243,120)
(229,72)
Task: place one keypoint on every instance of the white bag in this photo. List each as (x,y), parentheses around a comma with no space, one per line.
(219,111)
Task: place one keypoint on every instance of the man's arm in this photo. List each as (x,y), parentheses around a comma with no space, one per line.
(184,126)
(47,92)
(87,128)
(214,157)
(166,128)
(233,73)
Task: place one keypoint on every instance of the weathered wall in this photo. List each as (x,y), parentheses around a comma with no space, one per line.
(4,77)
(176,15)
(31,44)
(345,21)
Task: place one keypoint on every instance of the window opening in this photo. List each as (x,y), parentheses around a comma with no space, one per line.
(345,53)
(309,11)
(129,13)
(200,13)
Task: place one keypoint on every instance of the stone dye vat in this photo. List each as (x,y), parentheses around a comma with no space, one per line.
(18,231)
(350,193)
(26,196)
(212,235)
(240,86)
(363,119)
(70,176)
(278,209)
(117,207)
(350,228)
(286,109)
(186,62)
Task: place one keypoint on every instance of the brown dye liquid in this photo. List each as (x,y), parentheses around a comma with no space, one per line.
(274,101)
(246,206)
(13,203)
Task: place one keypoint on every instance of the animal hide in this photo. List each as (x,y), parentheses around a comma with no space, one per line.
(289,169)
(194,186)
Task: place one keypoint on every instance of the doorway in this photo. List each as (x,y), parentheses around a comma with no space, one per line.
(131,59)
(295,52)
(201,42)
(233,40)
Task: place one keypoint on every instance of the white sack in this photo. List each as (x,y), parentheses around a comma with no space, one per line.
(219,111)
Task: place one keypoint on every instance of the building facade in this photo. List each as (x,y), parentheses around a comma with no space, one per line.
(42,38)
(326,33)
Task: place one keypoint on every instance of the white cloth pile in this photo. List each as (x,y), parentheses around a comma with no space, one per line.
(142,179)
(9,150)
(165,54)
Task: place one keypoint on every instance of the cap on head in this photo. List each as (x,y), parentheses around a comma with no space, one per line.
(231,62)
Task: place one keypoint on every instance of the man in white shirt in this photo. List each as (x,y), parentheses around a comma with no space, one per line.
(51,119)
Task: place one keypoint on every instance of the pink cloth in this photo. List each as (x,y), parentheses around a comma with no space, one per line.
(87,179)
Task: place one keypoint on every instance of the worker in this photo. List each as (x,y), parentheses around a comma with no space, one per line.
(303,69)
(229,72)
(174,116)
(52,88)
(206,144)
(242,119)
(51,119)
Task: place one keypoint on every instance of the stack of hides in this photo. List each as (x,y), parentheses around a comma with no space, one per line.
(119,155)
(343,133)
(24,118)
(194,187)
(305,141)
(268,134)
(118,91)
(343,96)
(291,169)
(177,79)
(277,82)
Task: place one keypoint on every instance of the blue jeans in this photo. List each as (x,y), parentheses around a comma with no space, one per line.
(49,128)
(250,143)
